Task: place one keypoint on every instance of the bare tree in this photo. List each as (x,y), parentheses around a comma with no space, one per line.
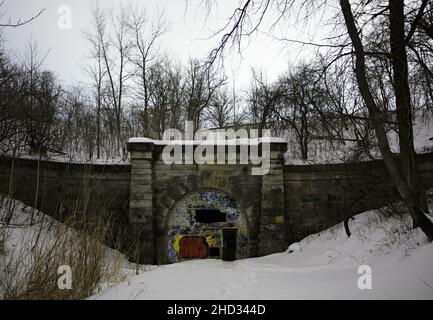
(201,86)
(144,53)
(122,47)
(403,171)
(113,47)
(11,89)
(302,99)
(221,110)
(403,167)
(167,98)
(97,70)
(262,97)
(39,104)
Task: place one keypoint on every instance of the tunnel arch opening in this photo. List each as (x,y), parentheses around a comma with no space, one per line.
(195,224)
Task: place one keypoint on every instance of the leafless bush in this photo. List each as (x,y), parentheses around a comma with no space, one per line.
(396,209)
(396,225)
(31,271)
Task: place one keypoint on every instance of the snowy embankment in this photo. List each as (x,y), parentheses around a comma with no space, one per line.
(321,266)
(33,246)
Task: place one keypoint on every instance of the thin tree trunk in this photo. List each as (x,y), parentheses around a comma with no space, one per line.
(98,132)
(98,110)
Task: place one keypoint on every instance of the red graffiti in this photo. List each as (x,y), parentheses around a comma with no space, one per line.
(193,247)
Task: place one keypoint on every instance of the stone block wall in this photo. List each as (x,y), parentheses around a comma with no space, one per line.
(279,208)
(66,189)
(272,227)
(320,196)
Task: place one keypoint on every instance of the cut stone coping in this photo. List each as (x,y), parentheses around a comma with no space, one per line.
(210,141)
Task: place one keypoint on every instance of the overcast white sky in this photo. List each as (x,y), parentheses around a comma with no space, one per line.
(188,36)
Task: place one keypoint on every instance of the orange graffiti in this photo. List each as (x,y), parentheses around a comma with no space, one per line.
(193,247)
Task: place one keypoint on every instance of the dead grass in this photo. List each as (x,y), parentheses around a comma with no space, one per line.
(31,270)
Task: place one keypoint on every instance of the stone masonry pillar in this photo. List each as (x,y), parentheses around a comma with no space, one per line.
(140,219)
(272,229)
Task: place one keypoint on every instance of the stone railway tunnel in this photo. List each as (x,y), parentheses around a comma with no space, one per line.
(184,211)
(172,201)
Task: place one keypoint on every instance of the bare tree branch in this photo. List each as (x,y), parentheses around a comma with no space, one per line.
(20,22)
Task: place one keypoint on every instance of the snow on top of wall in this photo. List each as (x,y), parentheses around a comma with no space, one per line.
(141,140)
(76,160)
(212,141)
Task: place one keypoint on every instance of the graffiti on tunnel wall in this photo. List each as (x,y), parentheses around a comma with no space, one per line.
(193,247)
(188,238)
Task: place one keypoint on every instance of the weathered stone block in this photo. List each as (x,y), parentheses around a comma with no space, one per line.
(141,155)
(141,203)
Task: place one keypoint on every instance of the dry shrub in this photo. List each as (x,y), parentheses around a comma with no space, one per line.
(396,224)
(31,272)
(6,208)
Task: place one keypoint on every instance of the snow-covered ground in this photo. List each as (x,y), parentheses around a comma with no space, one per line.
(321,266)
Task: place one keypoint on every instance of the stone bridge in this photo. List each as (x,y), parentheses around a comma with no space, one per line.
(168,202)
(170,213)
